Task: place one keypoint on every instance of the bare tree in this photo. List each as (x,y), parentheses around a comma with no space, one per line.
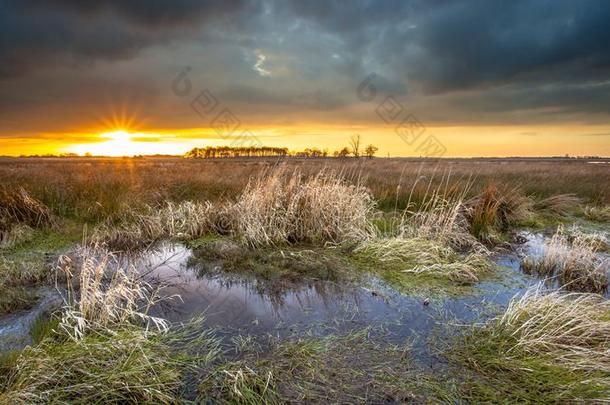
(354,142)
(370,151)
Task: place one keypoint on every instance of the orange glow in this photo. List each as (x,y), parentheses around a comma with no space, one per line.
(459,140)
(123,143)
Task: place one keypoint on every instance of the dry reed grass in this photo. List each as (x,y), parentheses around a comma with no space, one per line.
(572,329)
(279,207)
(559,205)
(96,189)
(576,264)
(424,256)
(19,212)
(496,210)
(107,295)
(185,220)
(599,214)
(285,206)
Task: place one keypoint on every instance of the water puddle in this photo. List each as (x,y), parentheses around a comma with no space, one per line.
(15,328)
(236,304)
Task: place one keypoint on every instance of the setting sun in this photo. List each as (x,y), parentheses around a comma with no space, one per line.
(123,143)
(119,136)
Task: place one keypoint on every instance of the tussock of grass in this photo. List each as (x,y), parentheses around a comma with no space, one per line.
(550,347)
(16,298)
(107,295)
(18,234)
(281,207)
(19,213)
(186,220)
(16,280)
(559,205)
(288,207)
(125,366)
(17,206)
(598,214)
(495,211)
(442,220)
(424,256)
(576,263)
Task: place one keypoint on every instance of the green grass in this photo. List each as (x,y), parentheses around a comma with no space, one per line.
(499,373)
(353,367)
(274,267)
(45,325)
(25,266)
(423,267)
(125,365)
(545,348)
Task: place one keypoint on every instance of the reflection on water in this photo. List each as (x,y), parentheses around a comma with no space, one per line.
(236,303)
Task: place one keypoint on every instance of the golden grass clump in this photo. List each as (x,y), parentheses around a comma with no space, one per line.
(107,295)
(185,220)
(442,220)
(573,329)
(18,213)
(428,257)
(576,264)
(280,207)
(288,207)
(599,214)
(547,347)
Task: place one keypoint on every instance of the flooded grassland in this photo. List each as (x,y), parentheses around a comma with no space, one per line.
(300,289)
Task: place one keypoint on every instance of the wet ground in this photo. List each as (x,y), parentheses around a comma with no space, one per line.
(235,305)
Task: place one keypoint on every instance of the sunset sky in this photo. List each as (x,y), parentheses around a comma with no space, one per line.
(483,78)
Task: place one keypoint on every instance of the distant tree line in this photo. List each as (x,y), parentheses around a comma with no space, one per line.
(212,152)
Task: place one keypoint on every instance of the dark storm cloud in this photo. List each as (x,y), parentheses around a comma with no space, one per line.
(475,43)
(466,61)
(38,34)
(451,45)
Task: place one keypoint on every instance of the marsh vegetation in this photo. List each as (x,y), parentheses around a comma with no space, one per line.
(374,274)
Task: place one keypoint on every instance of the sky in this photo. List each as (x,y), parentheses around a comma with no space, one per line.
(413,77)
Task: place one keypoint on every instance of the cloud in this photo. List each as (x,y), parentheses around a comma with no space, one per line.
(36,34)
(471,61)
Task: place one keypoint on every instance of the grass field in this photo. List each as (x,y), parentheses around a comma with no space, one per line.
(428,232)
